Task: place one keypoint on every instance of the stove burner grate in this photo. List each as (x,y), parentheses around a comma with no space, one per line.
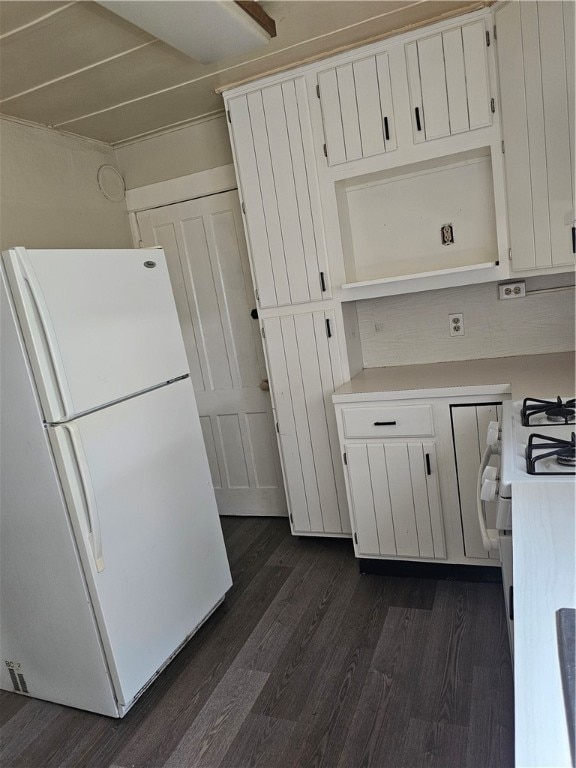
(555,412)
(542,447)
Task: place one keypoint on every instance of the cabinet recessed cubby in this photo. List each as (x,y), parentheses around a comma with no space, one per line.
(425,218)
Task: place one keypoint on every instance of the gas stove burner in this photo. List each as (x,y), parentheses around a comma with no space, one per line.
(544,454)
(560,414)
(538,412)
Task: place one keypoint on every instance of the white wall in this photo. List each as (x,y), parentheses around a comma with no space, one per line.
(401,330)
(49,194)
(188,150)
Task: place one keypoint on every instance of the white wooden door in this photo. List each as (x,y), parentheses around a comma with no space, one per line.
(470,425)
(536,70)
(357,109)
(208,264)
(274,155)
(395,499)
(305,369)
(449,82)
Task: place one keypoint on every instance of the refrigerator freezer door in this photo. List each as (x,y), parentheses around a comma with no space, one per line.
(138,487)
(99,325)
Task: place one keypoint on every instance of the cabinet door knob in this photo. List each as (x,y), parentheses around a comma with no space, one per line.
(254,314)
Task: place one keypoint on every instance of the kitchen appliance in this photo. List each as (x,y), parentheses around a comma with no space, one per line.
(537,443)
(112,553)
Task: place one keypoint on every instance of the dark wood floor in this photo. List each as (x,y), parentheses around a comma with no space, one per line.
(308,663)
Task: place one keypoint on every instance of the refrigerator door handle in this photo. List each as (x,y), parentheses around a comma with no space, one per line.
(42,333)
(82,475)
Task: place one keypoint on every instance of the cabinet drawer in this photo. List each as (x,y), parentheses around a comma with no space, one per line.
(388,421)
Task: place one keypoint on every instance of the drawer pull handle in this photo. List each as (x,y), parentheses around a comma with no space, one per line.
(386,131)
(428,469)
(384,423)
(511,603)
(574,239)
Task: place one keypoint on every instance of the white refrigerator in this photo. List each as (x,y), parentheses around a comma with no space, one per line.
(111,550)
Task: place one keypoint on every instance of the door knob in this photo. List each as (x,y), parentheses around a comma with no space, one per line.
(264,386)
(254,314)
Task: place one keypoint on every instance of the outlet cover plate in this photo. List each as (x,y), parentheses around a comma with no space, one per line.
(515,290)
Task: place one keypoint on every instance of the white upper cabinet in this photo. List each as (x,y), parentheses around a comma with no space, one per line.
(357,109)
(536,70)
(449,82)
(274,157)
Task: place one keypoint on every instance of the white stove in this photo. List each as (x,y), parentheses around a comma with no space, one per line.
(537,444)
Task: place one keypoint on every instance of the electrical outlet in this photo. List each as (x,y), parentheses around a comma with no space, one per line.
(456,324)
(512,290)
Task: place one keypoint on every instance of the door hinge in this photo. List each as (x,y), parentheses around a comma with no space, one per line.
(494,32)
(503,150)
(488,38)
(325,151)
(318,90)
(345,460)
(509,254)
(229,117)
(492,105)
(243,206)
(355,537)
(256,293)
(263,332)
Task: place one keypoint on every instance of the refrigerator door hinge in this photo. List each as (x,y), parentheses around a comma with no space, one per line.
(345,459)
(509,254)
(318,90)
(503,150)
(325,151)
(488,38)
(492,105)
(229,116)
(263,332)
(355,537)
(243,206)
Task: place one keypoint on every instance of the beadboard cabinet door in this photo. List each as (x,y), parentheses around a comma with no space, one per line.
(395,497)
(357,109)
(536,71)
(305,369)
(274,158)
(449,82)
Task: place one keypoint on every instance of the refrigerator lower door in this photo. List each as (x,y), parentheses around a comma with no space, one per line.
(99,325)
(137,482)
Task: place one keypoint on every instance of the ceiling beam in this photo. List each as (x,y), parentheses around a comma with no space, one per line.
(256,12)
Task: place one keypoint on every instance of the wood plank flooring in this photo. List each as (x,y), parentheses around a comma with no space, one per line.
(307,663)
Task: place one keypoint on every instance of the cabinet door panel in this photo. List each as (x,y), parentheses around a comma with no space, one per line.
(385,88)
(433,79)
(349,112)
(302,381)
(420,495)
(359,477)
(286,201)
(456,81)
(477,82)
(368,100)
(400,487)
(252,196)
(434,503)
(333,130)
(555,96)
(289,448)
(415,87)
(382,504)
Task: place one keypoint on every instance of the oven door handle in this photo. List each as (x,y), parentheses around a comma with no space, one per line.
(489,535)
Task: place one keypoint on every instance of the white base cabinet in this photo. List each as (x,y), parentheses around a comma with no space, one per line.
(412,498)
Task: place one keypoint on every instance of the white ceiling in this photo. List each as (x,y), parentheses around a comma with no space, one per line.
(81,68)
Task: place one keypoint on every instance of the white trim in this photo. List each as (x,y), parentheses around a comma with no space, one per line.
(178,126)
(210,182)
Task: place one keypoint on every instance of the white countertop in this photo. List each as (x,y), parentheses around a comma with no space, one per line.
(543,521)
(522,376)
